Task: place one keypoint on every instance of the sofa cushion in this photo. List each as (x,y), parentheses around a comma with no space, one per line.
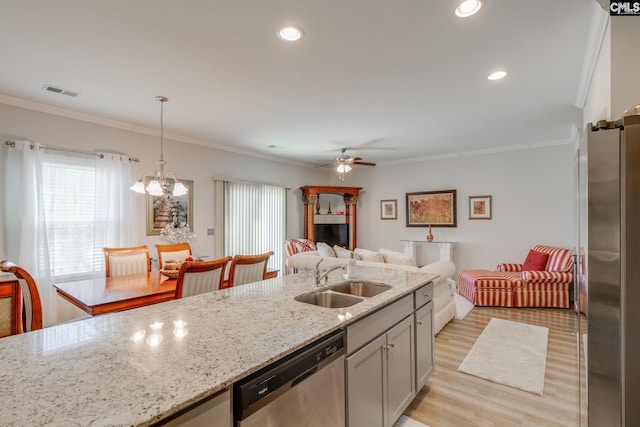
(342,252)
(393,257)
(559,258)
(367,255)
(325,250)
(536,261)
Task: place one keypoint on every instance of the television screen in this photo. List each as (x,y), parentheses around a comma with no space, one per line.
(332,234)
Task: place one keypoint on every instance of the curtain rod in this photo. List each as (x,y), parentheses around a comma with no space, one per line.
(70,150)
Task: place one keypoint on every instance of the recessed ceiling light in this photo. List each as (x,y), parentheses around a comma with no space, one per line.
(468,8)
(497,75)
(290,34)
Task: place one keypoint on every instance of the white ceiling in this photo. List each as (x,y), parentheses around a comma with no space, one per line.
(405,78)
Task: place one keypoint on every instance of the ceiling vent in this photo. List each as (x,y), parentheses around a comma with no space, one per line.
(61,91)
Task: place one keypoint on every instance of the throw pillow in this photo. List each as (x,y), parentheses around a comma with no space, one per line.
(536,261)
(367,255)
(393,257)
(325,250)
(342,252)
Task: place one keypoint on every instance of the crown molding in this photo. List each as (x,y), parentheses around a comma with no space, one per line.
(90,118)
(597,31)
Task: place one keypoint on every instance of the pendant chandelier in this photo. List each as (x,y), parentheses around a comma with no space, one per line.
(161,183)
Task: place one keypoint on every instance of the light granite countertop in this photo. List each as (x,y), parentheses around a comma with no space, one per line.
(95,373)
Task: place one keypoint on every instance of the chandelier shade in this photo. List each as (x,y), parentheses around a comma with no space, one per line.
(159,185)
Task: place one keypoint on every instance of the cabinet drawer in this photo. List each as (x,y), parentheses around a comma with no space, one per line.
(365,330)
(423,295)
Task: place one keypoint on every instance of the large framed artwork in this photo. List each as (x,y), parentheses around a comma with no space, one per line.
(435,208)
(479,207)
(175,211)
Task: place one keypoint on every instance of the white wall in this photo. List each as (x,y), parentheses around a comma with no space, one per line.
(532,190)
(533,203)
(198,163)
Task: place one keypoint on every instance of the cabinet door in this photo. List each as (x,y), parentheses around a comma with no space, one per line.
(400,368)
(424,345)
(366,393)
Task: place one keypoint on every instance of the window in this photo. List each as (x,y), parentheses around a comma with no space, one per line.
(81,196)
(254,220)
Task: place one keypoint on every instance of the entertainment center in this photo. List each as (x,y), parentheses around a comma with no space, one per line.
(338,229)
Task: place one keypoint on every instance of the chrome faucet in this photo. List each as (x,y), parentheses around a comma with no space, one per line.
(319,274)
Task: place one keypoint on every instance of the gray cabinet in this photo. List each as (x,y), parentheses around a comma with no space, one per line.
(423,301)
(380,376)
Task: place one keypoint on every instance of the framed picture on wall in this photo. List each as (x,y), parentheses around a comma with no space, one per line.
(389,209)
(435,208)
(479,207)
(163,210)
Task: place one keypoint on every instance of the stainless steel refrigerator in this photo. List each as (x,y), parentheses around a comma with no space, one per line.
(613,272)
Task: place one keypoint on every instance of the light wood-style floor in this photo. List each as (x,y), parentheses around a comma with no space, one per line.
(455,399)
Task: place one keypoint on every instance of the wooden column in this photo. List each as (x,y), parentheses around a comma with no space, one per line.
(350,201)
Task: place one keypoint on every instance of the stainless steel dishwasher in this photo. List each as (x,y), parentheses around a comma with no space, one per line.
(305,388)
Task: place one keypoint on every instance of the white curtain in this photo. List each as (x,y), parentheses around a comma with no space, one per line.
(61,209)
(25,223)
(115,202)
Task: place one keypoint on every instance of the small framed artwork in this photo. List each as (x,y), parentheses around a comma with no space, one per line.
(479,207)
(388,209)
(432,208)
(163,210)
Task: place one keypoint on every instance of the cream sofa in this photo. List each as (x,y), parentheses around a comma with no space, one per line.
(444,304)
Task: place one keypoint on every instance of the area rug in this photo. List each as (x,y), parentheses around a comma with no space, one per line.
(405,421)
(510,353)
(463,306)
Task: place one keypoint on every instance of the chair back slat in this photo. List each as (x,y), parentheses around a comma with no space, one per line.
(126,260)
(248,268)
(176,252)
(199,277)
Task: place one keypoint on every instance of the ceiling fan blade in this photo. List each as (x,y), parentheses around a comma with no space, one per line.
(350,160)
(363,163)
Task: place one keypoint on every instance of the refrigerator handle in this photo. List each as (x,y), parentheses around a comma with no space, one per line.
(576,282)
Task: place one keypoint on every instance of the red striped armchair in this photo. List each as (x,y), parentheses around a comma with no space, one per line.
(543,280)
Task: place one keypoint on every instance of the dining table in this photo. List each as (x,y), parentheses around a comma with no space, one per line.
(101,295)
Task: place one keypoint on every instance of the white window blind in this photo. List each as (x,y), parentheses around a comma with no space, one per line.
(255,220)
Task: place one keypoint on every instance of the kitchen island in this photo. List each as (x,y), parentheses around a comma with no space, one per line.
(137,367)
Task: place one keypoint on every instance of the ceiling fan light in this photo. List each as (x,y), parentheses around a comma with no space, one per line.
(138,187)
(343,168)
(179,189)
(468,8)
(154,188)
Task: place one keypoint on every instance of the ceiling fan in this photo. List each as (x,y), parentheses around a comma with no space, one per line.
(344,163)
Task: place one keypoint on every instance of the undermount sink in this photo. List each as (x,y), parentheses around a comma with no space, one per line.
(328,299)
(360,288)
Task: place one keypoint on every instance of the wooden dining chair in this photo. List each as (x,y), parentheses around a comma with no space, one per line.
(248,268)
(176,252)
(199,277)
(21,304)
(124,261)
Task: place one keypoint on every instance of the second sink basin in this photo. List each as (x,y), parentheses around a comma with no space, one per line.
(328,299)
(360,288)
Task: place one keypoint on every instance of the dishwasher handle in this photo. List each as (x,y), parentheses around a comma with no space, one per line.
(304,376)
